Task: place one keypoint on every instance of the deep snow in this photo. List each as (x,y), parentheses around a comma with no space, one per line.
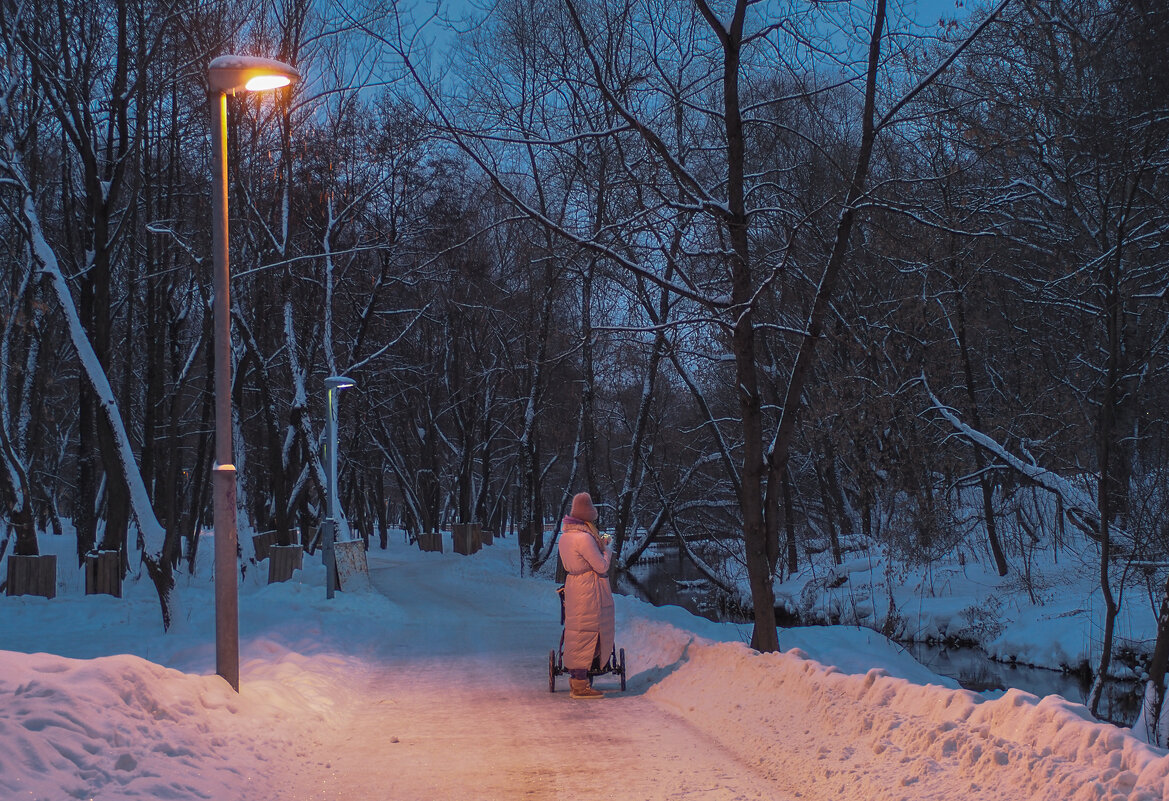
(1048,610)
(434,685)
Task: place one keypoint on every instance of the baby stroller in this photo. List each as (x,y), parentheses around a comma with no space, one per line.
(615,664)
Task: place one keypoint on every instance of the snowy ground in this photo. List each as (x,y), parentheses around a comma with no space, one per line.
(1048,611)
(433,685)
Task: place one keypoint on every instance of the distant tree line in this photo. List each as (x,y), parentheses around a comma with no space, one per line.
(781,277)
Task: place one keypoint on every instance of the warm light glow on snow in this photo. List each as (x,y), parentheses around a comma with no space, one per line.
(433,684)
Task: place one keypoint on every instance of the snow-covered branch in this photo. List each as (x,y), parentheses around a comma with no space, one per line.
(1078,503)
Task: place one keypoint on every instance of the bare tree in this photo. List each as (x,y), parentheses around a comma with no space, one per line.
(1078,215)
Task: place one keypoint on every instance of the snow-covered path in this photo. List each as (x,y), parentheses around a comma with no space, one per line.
(458,708)
(433,685)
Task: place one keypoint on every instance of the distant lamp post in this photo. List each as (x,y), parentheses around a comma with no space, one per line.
(334,384)
(228,75)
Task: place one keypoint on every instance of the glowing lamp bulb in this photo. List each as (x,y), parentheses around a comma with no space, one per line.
(231,74)
(264,82)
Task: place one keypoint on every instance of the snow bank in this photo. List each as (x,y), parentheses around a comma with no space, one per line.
(877,736)
(1046,612)
(122,727)
(91,721)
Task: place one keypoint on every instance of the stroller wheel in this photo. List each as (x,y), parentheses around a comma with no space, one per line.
(621,669)
(552,671)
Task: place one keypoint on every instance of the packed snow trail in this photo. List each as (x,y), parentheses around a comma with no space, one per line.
(434,686)
(459,709)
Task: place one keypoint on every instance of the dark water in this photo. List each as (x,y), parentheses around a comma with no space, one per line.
(1119,703)
(657,583)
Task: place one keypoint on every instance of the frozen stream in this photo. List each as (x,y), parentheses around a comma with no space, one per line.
(657,582)
(974,671)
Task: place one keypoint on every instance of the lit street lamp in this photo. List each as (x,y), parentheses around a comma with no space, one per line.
(228,75)
(334,384)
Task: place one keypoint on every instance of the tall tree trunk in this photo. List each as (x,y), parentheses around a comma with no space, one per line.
(380,510)
(764,637)
(588,401)
(984,483)
(829,512)
(790,525)
(780,449)
(14,478)
(1152,713)
(1106,453)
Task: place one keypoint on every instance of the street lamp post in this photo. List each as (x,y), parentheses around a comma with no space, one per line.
(334,384)
(228,75)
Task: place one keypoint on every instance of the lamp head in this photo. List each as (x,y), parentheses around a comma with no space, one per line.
(339,382)
(231,74)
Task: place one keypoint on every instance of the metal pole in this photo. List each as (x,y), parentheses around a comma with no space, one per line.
(223,474)
(329,534)
(331,401)
(329,555)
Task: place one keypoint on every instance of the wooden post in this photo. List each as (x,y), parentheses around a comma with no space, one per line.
(283,560)
(32,575)
(352,567)
(431,541)
(465,538)
(103,573)
(262,542)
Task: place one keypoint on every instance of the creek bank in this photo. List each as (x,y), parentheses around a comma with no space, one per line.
(674,581)
(971,667)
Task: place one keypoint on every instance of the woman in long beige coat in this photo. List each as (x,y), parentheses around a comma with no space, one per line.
(588,598)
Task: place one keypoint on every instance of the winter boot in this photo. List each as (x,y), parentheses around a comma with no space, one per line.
(581,689)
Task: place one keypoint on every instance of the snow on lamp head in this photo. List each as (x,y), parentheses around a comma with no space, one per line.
(231,74)
(339,382)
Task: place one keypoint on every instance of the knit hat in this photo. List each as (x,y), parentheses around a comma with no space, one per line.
(582,508)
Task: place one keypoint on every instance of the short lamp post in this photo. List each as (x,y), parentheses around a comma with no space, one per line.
(228,75)
(333,384)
